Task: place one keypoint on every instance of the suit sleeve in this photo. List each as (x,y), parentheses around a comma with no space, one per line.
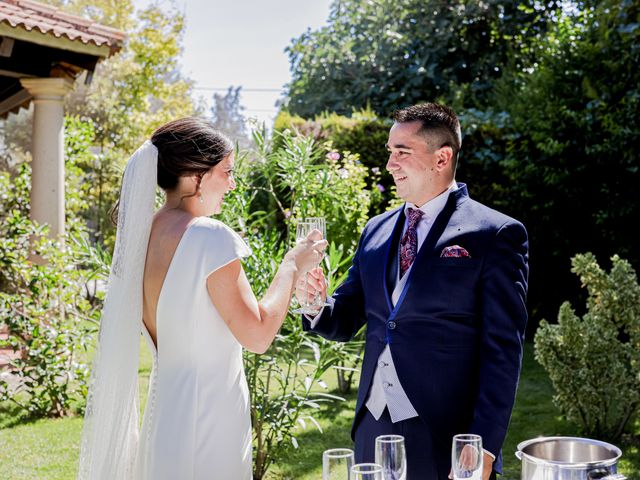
(504,318)
(345,314)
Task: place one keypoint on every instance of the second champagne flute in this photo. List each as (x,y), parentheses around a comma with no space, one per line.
(391,456)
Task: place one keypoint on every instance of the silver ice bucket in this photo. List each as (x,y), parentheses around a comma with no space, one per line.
(568,458)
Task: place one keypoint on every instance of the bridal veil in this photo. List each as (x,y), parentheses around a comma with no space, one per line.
(110,435)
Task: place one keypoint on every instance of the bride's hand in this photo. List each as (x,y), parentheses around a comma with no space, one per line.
(308,253)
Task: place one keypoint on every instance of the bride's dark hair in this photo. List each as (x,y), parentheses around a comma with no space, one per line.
(187,146)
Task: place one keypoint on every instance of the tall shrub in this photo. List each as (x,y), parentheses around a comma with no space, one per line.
(594,360)
(363,136)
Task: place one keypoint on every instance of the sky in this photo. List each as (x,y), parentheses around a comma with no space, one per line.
(241,43)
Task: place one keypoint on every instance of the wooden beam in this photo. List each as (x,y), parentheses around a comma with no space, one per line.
(6,46)
(50,40)
(12,74)
(14,101)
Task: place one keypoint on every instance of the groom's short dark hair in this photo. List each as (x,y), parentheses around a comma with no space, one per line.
(439,123)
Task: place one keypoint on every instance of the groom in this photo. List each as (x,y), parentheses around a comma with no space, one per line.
(441,284)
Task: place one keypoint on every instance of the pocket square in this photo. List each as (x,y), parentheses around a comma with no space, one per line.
(455,251)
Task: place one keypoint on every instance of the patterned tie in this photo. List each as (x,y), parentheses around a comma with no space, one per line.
(409,241)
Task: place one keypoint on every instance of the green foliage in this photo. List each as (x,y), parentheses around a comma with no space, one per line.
(363,135)
(594,361)
(140,88)
(485,136)
(348,355)
(285,384)
(389,54)
(48,318)
(80,166)
(571,140)
(285,180)
(113,14)
(46,304)
(291,177)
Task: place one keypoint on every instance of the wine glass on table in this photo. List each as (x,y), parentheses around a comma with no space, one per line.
(467,457)
(336,463)
(366,471)
(391,456)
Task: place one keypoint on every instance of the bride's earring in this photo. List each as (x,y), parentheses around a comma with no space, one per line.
(199,189)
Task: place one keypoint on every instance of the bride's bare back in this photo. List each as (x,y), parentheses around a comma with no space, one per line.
(168,228)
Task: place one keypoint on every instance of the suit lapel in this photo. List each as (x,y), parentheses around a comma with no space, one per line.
(441,222)
(396,222)
(439,225)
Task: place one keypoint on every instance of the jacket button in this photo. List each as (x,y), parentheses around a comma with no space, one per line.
(391,325)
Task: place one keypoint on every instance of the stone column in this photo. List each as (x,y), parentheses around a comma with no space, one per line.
(47,151)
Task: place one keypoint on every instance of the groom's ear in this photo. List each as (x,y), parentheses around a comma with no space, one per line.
(444,157)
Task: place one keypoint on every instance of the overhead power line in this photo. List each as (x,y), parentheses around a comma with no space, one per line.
(221,89)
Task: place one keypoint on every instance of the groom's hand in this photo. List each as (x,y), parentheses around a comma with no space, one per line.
(487,466)
(309,285)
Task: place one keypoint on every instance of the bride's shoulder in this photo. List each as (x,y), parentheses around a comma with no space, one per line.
(215,236)
(208,223)
(207,227)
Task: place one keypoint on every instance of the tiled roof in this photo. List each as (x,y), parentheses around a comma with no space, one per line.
(30,15)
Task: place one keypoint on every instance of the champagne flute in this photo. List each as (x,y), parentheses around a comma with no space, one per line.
(336,463)
(321,225)
(392,457)
(303,229)
(366,471)
(467,457)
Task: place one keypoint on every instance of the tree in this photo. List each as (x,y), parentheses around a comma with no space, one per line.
(227,116)
(388,54)
(571,145)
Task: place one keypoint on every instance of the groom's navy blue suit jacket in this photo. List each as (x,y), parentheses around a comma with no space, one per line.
(457,330)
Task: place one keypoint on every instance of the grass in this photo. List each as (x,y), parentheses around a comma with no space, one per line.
(44,449)
(48,449)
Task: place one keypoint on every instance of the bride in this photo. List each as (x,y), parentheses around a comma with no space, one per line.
(176,277)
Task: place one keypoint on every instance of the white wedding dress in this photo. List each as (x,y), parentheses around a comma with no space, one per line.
(197,422)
